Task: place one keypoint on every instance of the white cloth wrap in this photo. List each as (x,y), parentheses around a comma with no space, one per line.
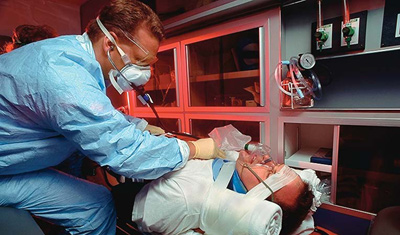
(275,182)
(309,177)
(285,176)
(227,212)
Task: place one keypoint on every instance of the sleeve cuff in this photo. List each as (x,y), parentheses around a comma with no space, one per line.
(185,151)
(139,122)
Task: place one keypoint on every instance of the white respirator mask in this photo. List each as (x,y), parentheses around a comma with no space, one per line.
(131,76)
(122,80)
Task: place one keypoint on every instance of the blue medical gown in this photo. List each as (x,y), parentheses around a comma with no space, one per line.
(53,102)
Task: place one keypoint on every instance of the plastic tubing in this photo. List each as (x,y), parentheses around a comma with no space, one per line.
(346,12)
(316,85)
(319,20)
(297,77)
(278,77)
(295,71)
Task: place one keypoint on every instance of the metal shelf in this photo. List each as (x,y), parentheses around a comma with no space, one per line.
(380,50)
(301,159)
(230,75)
(213,13)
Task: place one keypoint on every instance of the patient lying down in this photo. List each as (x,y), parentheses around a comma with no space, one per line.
(222,197)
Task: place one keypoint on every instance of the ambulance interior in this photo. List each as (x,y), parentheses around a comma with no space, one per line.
(315,80)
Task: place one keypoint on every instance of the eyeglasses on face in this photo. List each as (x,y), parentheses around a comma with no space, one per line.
(149,58)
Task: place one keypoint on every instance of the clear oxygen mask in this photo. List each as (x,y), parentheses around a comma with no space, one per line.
(259,154)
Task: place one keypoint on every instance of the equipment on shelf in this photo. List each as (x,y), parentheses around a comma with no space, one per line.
(301,85)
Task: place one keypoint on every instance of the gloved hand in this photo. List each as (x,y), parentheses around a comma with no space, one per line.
(207,149)
(155,130)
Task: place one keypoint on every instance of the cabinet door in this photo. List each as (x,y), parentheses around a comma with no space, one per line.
(163,86)
(169,122)
(255,127)
(364,171)
(225,67)
(224,71)
(368,176)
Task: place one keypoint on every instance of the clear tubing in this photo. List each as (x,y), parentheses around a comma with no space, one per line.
(261,180)
(278,77)
(292,67)
(316,85)
(346,12)
(297,77)
(296,74)
(319,15)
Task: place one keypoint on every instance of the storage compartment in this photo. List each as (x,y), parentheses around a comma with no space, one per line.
(162,84)
(224,71)
(170,124)
(367,81)
(368,176)
(303,141)
(201,128)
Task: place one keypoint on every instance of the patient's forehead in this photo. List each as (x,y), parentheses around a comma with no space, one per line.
(291,191)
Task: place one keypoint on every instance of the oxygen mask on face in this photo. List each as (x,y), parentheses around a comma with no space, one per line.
(259,154)
(266,162)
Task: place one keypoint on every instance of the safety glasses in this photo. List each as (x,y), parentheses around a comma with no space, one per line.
(149,58)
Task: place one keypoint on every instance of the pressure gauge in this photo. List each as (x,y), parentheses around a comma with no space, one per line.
(307,61)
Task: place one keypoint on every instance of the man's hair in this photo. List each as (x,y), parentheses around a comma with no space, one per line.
(26,33)
(127,15)
(294,214)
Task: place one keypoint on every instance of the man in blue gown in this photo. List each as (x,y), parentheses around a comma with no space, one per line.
(53,103)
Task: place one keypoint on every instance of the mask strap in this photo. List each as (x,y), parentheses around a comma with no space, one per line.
(111,75)
(16,39)
(124,57)
(262,181)
(144,98)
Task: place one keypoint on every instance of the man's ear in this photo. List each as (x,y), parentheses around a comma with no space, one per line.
(107,43)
